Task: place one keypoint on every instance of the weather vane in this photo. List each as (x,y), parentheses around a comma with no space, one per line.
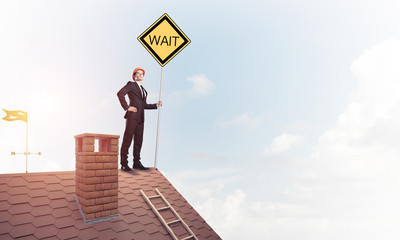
(23,116)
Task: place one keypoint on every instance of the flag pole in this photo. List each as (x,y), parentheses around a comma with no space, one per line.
(26,153)
(158,119)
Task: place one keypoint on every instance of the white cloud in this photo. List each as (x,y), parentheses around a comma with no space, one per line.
(299,126)
(202,86)
(244,119)
(207,157)
(201,184)
(282,143)
(353,174)
(224,214)
(362,141)
(348,189)
(205,174)
(235,217)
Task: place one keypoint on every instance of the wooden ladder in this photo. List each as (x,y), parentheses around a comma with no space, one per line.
(166,224)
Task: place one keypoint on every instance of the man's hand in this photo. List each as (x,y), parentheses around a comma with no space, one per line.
(159,103)
(132,109)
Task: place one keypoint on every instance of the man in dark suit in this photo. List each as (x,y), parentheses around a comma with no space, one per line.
(134,118)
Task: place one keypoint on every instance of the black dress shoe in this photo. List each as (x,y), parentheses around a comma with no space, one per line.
(126,168)
(139,166)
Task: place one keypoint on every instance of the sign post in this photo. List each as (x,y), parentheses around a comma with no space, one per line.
(163,40)
(158,120)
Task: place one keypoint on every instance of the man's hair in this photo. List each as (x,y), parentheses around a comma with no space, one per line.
(137,72)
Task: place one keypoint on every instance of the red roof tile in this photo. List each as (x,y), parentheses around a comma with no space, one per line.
(5,236)
(5,216)
(81,225)
(58,203)
(68,232)
(44,220)
(106,234)
(52,238)
(69,189)
(20,208)
(139,211)
(4,180)
(61,212)
(36,185)
(5,227)
(38,192)
(88,233)
(64,222)
(158,202)
(129,196)
(76,214)
(16,199)
(17,182)
(41,210)
(179,230)
(42,206)
(39,201)
(168,215)
(136,227)
(57,195)
(68,182)
(119,226)
(150,229)
(54,187)
(21,219)
(18,190)
(147,219)
(141,235)
(22,230)
(122,202)
(35,178)
(45,232)
(4,206)
(125,190)
(129,218)
(4,196)
(51,179)
(126,234)
(102,226)
(125,210)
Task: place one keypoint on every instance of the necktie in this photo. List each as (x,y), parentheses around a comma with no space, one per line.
(142,91)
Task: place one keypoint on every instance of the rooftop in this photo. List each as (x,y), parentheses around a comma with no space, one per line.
(43,206)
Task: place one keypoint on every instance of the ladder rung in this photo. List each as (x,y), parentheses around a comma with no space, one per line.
(155,196)
(188,237)
(163,208)
(175,221)
(166,225)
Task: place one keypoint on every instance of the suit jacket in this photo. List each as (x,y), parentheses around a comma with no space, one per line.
(135,100)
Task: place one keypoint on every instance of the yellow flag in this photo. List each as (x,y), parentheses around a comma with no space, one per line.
(16,115)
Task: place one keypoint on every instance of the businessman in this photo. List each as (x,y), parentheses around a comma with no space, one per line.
(134,118)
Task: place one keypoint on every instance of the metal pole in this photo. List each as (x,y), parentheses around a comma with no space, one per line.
(158,120)
(26,153)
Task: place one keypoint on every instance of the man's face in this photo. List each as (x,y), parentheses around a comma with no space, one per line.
(139,75)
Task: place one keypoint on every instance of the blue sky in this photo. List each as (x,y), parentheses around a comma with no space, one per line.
(280,118)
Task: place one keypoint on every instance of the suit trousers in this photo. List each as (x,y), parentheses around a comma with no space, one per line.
(133,130)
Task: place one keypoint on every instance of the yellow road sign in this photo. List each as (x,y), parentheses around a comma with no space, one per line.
(164,39)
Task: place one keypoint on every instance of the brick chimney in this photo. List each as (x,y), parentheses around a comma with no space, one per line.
(96,176)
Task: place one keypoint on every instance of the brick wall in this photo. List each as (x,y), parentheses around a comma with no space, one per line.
(96,175)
